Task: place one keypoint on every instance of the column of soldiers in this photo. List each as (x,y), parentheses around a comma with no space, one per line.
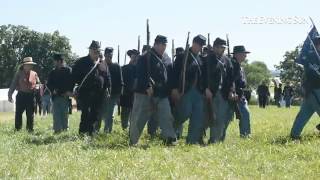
(204,88)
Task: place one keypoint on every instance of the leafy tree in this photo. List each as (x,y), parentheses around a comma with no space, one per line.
(290,72)
(256,73)
(18,42)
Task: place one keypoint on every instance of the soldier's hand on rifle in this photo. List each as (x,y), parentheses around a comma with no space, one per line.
(10,99)
(236,97)
(175,95)
(150,92)
(208,94)
(233,96)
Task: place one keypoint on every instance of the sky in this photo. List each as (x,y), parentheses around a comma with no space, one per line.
(119,22)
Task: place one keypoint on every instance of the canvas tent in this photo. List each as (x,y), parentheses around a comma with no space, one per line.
(5,105)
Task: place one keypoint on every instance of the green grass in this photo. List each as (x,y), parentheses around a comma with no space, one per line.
(269,154)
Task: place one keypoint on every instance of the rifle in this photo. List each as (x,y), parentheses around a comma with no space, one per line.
(118,54)
(228,45)
(118,103)
(209,101)
(125,58)
(184,65)
(139,43)
(149,54)
(209,45)
(172,49)
(148,33)
(234,103)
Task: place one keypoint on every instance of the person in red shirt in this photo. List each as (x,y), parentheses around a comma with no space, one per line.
(24,82)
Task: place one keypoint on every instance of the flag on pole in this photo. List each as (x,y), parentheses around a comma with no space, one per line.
(308,46)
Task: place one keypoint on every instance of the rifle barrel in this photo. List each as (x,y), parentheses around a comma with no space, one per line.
(139,43)
(125,58)
(148,33)
(228,45)
(172,49)
(186,54)
(118,54)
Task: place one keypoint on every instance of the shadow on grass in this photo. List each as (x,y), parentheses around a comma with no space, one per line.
(119,140)
(285,140)
(105,141)
(281,140)
(116,140)
(42,138)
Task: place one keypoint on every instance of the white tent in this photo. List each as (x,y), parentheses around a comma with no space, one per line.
(5,105)
(277,81)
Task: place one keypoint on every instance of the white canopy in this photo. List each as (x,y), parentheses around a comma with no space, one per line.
(5,105)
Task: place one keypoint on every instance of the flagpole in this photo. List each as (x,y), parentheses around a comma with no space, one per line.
(311,20)
(314,47)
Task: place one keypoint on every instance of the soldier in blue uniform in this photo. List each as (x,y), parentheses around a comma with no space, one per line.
(190,104)
(109,102)
(89,75)
(311,86)
(152,124)
(126,99)
(174,108)
(60,84)
(151,94)
(288,94)
(263,94)
(219,90)
(239,56)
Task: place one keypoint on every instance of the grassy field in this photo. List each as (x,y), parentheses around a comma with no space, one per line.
(269,154)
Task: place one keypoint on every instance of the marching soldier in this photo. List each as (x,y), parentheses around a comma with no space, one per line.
(174,109)
(45,99)
(190,104)
(239,56)
(219,90)
(311,85)
(278,94)
(288,94)
(60,84)
(89,74)
(263,95)
(151,94)
(109,102)
(24,82)
(126,99)
(152,124)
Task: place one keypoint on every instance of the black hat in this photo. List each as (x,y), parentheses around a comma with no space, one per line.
(161,39)
(219,42)
(179,50)
(199,39)
(95,45)
(108,50)
(133,52)
(239,49)
(129,53)
(57,57)
(316,40)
